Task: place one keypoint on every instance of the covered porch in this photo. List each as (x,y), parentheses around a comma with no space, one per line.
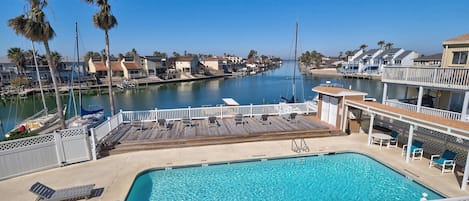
(438,133)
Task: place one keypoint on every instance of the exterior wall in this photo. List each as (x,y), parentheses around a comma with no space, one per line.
(409,59)
(447,60)
(212,65)
(91,67)
(149,65)
(126,71)
(183,65)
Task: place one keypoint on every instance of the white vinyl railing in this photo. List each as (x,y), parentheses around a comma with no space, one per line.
(425,110)
(218,111)
(102,130)
(454,78)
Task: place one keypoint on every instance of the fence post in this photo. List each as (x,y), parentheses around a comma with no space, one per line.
(251,110)
(189,111)
(59,148)
(109,123)
(93,144)
(221,111)
(121,117)
(156,114)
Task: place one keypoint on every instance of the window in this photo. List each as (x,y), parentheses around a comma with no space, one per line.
(459,57)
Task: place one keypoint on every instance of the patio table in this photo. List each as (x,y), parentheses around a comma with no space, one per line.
(381,137)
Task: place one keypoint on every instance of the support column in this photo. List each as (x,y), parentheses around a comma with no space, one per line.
(409,143)
(419,100)
(464,106)
(385,93)
(466,174)
(370,129)
(344,125)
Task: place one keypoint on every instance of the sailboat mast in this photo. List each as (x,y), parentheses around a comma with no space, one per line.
(294,65)
(78,65)
(39,78)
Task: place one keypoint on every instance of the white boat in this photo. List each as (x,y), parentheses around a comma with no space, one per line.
(42,119)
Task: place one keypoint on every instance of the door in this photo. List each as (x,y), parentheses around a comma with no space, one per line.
(325,109)
(333,104)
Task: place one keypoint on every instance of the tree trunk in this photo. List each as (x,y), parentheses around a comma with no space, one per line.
(109,74)
(58,100)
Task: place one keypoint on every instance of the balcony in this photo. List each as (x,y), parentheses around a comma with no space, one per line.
(448,78)
(427,110)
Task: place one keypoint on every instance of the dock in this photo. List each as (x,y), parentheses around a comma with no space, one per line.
(363,76)
(148,135)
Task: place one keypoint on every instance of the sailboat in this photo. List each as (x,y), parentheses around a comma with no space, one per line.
(90,117)
(42,119)
(293,97)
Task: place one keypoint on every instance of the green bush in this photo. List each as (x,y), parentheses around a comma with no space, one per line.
(18,135)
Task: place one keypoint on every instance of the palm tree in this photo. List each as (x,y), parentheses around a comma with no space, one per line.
(105,21)
(17,56)
(176,54)
(35,27)
(340,55)
(348,53)
(363,47)
(381,43)
(388,46)
(252,54)
(56,60)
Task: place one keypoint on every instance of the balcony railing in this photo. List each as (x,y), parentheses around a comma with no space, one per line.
(425,110)
(452,78)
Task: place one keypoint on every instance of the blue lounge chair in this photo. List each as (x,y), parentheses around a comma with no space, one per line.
(46,193)
(415,149)
(394,139)
(445,160)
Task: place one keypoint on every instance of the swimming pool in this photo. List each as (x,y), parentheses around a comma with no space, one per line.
(345,176)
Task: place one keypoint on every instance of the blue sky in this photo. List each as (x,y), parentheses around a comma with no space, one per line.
(235,27)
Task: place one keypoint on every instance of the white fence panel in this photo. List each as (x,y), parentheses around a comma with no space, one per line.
(27,155)
(76,147)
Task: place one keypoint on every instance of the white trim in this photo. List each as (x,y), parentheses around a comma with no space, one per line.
(404,118)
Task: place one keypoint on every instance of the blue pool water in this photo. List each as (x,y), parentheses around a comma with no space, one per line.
(346,176)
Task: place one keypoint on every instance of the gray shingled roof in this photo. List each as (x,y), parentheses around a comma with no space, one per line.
(388,52)
(432,57)
(404,54)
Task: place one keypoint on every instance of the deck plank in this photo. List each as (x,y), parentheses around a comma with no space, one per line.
(225,127)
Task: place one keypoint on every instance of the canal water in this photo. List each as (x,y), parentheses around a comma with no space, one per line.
(262,88)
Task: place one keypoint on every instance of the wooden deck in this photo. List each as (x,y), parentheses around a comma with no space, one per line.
(149,136)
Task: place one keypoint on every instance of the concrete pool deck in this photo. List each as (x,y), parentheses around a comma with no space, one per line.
(117,172)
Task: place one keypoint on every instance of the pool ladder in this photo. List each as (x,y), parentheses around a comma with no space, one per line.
(299,145)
